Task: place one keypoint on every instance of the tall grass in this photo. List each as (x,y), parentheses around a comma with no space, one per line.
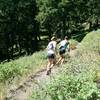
(91,42)
(21,66)
(76,79)
(14,72)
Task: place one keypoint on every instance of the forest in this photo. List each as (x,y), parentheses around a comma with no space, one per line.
(24,22)
(26,28)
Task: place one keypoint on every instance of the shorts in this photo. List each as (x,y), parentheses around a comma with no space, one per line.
(51,56)
(62,51)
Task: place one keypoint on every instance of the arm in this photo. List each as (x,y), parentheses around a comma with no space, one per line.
(56,47)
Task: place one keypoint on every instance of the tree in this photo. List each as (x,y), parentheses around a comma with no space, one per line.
(47,15)
(17,27)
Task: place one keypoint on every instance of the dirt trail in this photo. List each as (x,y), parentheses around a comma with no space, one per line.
(24,91)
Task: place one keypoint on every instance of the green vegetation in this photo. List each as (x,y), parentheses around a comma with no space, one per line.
(23,22)
(22,66)
(14,72)
(73,43)
(27,25)
(91,41)
(67,87)
(76,79)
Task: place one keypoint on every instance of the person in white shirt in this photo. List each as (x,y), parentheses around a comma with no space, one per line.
(64,45)
(51,54)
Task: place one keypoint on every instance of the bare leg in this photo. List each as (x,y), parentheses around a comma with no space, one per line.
(51,68)
(54,61)
(59,60)
(50,65)
(62,61)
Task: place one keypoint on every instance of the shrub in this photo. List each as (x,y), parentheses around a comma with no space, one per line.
(73,44)
(67,87)
(91,42)
(22,66)
(76,79)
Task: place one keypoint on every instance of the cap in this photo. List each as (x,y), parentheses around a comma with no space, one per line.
(53,38)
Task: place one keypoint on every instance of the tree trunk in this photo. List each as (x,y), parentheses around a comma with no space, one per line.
(63,27)
(7,46)
(49,34)
(19,43)
(12,44)
(96,24)
(90,25)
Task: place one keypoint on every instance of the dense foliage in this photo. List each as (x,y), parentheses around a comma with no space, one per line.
(23,21)
(21,67)
(17,27)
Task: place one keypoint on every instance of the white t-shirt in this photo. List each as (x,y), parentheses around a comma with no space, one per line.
(63,43)
(51,47)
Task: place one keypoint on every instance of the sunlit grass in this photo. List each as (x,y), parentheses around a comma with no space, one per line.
(73,44)
(76,79)
(91,41)
(14,72)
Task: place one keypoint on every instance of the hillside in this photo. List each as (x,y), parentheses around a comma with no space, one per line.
(70,81)
(26,27)
(15,72)
(78,79)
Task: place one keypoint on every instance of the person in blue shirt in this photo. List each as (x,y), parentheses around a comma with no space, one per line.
(64,46)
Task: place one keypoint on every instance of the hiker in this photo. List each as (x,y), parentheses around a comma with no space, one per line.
(64,46)
(51,48)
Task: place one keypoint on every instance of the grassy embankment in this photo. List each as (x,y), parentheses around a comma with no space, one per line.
(77,79)
(14,72)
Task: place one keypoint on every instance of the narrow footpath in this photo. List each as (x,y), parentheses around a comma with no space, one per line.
(24,91)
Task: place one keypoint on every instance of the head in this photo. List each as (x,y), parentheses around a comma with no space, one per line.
(66,37)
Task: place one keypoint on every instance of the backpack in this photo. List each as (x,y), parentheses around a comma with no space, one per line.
(50,46)
(66,45)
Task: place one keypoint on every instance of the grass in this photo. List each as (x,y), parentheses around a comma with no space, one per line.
(91,41)
(73,44)
(85,64)
(14,72)
(76,78)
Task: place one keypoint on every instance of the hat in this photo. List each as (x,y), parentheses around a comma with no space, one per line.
(53,38)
